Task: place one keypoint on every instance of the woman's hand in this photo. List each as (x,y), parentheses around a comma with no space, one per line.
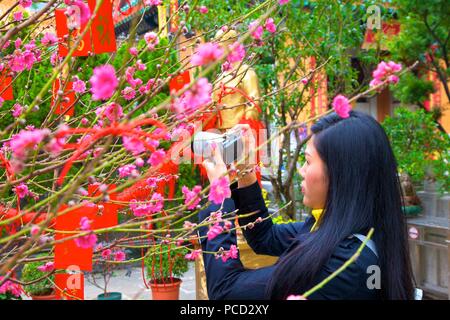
(247,161)
(215,167)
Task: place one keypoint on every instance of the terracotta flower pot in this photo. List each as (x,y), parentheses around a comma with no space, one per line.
(170,290)
(51,296)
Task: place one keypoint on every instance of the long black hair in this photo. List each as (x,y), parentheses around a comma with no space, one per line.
(364,191)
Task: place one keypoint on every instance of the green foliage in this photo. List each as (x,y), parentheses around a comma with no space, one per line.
(166,261)
(420,148)
(30,273)
(281,220)
(423,24)
(412,89)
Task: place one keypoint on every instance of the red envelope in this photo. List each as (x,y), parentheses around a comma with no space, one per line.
(67,253)
(110,216)
(70,286)
(62,30)
(64,107)
(103,35)
(177,83)
(6,89)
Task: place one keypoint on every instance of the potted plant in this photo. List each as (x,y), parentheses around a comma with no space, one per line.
(41,280)
(165,265)
(104,269)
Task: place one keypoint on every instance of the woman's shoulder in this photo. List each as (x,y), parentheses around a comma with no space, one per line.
(350,245)
(351,283)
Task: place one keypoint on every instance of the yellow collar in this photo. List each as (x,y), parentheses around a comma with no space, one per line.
(317,214)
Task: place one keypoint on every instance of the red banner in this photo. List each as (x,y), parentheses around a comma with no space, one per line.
(67,253)
(103,35)
(66,103)
(6,89)
(62,31)
(177,83)
(70,286)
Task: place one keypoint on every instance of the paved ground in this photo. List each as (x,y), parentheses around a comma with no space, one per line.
(133,287)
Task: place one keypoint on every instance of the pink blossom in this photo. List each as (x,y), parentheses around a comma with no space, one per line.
(55,58)
(34,230)
(270,25)
(26,140)
(139,162)
(18,16)
(282,2)
(119,255)
(49,39)
(305,81)
(29,58)
(193,255)
(393,79)
(151,182)
(196,97)
(1,102)
(385,70)
(230,254)
(226,66)
(295,297)
(85,12)
(206,53)
(133,51)
(157,203)
(152,2)
(129,75)
(48,267)
(10,287)
(79,86)
(192,197)
(157,157)
(17,110)
(140,66)
(189,225)
(113,112)
(85,224)
(18,43)
(104,82)
(22,190)
(84,121)
(341,106)
(128,93)
(143,209)
(106,253)
(25,3)
(220,190)
(127,170)
(237,52)
(87,241)
(214,231)
(152,40)
(133,144)
(256,31)
(203,9)
(227,225)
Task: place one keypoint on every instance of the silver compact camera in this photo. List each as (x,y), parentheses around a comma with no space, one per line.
(230,145)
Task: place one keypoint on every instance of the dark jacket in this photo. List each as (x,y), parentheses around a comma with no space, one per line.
(230,280)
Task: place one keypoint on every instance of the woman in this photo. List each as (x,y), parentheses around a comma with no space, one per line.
(350,181)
